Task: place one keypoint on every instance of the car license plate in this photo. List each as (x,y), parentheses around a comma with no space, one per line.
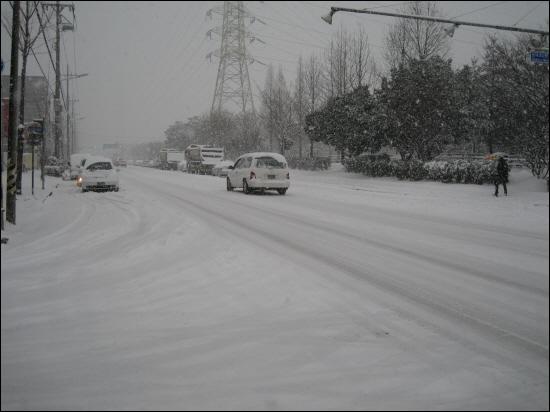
(271,176)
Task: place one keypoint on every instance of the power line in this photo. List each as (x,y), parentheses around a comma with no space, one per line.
(530,11)
(41,70)
(292,17)
(172,69)
(480,9)
(293,41)
(181,74)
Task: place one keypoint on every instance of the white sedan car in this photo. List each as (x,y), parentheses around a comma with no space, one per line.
(99,174)
(259,171)
(222,168)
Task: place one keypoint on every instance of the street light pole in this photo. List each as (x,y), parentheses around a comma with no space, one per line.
(456,23)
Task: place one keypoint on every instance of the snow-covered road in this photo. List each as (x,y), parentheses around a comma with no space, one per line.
(347,293)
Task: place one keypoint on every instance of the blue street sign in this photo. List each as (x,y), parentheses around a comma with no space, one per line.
(538,56)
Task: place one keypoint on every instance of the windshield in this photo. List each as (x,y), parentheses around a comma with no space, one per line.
(100,166)
(269,162)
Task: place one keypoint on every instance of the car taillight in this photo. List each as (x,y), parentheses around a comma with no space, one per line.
(252,175)
(288,175)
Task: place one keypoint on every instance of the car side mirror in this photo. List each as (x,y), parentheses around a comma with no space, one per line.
(231,167)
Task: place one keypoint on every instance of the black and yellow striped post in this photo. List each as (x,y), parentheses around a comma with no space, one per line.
(10,190)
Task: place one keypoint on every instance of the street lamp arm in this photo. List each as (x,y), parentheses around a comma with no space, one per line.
(333,10)
(74,76)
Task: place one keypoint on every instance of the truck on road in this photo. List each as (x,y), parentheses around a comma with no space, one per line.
(170,158)
(202,158)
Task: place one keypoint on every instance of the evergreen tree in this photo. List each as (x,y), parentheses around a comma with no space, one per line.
(420,105)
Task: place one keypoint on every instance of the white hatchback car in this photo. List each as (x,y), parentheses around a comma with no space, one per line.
(98,174)
(259,171)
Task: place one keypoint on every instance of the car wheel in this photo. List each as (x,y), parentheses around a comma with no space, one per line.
(246,189)
(229,187)
(116,189)
(282,191)
(84,190)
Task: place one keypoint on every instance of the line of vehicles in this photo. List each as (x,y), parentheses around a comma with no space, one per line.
(199,159)
(251,172)
(257,171)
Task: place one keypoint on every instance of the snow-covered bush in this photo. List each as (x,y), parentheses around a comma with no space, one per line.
(457,171)
(316,163)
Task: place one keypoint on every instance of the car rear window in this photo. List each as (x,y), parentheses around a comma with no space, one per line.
(100,166)
(265,162)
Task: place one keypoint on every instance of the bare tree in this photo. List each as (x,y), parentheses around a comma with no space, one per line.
(300,103)
(283,105)
(313,88)
(277,110)
(362,62)
(416,39)
(30,31)
(267,112)
(338,68)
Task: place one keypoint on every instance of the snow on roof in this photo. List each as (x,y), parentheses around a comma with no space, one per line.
(95,159)
(276,156)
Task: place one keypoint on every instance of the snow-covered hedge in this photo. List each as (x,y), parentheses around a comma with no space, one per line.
(317,163)
(456,171)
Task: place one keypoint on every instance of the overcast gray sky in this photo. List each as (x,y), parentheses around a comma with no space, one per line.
(147,61)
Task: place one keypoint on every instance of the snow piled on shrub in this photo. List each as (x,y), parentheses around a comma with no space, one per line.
(456,171)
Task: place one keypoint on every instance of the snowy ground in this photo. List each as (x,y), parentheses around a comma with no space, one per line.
(347,293)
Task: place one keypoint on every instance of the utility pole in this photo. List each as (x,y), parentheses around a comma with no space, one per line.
(46,121)
(1,164)
(12,121)
(57,100)
(68,117)
(57,96)
(70,143)
(73,141)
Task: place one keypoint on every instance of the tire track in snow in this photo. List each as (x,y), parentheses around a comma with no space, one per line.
(479,331)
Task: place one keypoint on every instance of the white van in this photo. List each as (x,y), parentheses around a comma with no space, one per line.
(259,171)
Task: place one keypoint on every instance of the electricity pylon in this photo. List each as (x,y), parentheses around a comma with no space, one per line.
(233,81)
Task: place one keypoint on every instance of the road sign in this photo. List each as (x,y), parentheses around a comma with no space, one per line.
(539,56)
(36,130)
